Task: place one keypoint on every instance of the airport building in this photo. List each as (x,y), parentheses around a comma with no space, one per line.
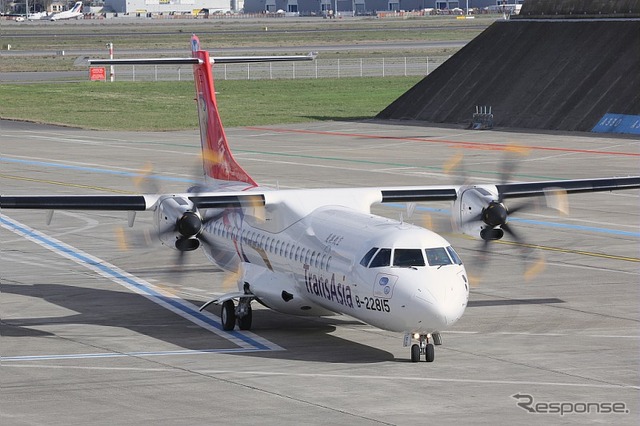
(302,7)
(360,7)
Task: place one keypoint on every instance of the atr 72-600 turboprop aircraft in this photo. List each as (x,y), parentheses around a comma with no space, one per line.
(319,251)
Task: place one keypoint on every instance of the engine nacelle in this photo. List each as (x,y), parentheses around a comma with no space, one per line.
(472,203)
(178,222)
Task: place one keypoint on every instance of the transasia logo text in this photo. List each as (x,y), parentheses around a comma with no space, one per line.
(329,289)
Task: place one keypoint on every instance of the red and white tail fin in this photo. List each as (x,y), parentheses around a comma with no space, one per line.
(217,159)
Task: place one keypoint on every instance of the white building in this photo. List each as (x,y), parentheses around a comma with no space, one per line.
(169,6)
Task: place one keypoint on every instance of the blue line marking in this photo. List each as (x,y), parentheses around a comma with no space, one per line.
(176,303)
(94,170)
(577,227)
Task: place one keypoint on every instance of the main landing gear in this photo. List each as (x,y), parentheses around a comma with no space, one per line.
(241,315)
(425,346)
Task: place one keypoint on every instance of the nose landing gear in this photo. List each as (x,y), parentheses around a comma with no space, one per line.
(424,346)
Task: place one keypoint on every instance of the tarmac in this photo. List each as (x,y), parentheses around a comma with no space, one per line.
(95,334)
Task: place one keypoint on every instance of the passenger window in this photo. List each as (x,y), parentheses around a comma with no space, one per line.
(437,256)
(383,258)
(454,256)
(406,258)
(367,257)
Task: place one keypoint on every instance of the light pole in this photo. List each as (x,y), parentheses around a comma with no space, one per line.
(112,75)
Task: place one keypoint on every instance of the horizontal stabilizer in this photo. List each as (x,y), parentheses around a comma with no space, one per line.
(197,61)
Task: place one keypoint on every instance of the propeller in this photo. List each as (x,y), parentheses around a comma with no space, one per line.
(188,227)
(494,214)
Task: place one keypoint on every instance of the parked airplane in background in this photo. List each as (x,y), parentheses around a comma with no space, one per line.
(38,16)
(318,251)
(74,13)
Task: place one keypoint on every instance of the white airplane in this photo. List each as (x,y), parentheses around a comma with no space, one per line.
(38,16)
(318,251)
(74,13)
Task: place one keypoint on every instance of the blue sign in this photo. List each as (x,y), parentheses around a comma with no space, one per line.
(618,123)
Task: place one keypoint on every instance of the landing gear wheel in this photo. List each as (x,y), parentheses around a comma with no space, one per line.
(430,352)
(244,323)
(415,353)
(228,315)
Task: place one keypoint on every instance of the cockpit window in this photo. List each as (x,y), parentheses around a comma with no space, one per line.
(383,258)
(454,256)
(437,256)
(367,257)
(406,258)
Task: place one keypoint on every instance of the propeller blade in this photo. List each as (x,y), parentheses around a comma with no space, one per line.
(506,228)
(144,181)
(535,269)
(530,205)
(513,154)
(557,199)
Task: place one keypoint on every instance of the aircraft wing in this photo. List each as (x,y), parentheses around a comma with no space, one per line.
(510,190)
(518,190)
(126,202)
(258,198)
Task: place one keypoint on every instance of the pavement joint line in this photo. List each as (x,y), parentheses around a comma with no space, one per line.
(190,312)
(18,358)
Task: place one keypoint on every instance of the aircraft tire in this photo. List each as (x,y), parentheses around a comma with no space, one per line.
(415,353)
(228,315)
(430,352)
(244,323)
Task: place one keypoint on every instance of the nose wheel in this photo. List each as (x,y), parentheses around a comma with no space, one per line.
(423,347)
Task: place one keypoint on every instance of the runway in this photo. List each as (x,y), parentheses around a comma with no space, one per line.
(94,334)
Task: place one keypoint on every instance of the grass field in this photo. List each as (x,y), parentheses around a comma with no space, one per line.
(161,106)
(34,44)
(174,34)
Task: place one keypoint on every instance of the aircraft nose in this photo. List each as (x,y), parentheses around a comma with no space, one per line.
(443,301)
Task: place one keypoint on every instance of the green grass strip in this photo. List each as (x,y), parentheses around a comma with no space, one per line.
(163,106)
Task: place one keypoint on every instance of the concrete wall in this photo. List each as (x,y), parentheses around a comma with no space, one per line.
(534,74)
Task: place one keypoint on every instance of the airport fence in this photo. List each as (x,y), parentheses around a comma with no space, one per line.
(320,68)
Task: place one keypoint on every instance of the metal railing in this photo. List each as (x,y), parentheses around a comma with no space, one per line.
(320,68)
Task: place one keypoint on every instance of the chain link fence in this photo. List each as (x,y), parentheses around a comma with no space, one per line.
(320,68)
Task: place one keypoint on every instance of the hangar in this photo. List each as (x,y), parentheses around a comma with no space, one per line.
(172,6)
(307,7)
(303,7)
